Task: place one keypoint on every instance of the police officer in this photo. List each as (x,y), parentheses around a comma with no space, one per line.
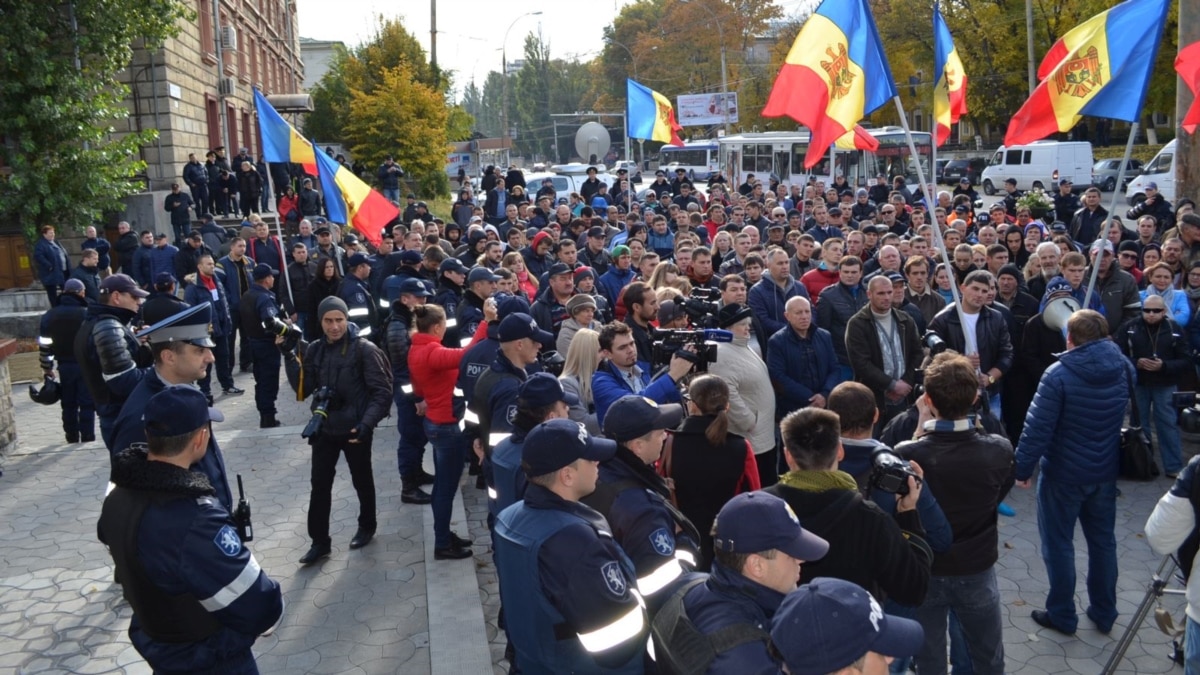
(540,398)
(356,293)
(56,347)
(409,409)
(495,400)
(452,274)
(163,302)
(567,588)
(720,624)
(108,352)
(182,349)
(481,284)
(659,539)
(198,595)
(259,307)
(352,376)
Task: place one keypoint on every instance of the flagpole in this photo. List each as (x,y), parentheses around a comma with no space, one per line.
(1112,207)
(968,339)
(287,280)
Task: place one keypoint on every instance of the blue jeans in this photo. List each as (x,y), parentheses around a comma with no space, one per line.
(1166,429)
(975,601)
(301,320)
(449,453)
(392,194)
(1191,649)
(267,362)
(1095,507)
(411,448)
(994,405)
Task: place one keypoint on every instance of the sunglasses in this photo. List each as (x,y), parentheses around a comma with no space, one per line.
(1152,311)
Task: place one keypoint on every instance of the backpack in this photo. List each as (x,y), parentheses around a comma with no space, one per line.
(679,647)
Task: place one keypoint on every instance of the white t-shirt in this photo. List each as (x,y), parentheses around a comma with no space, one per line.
(971,321)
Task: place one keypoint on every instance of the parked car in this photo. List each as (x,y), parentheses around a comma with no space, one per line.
(1104,173)
(938,169)
(1039,166)
(956,169)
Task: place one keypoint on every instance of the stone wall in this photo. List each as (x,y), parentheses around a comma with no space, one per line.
(8,421)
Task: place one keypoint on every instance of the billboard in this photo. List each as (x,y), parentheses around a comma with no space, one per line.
(696,110)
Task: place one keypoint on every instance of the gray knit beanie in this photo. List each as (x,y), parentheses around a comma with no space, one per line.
(330,304)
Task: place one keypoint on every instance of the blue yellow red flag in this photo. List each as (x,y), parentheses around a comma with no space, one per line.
(1187,64)
(1100,68)
(352,202)
(950,90)
(650,115)
(835,75)
(280,141)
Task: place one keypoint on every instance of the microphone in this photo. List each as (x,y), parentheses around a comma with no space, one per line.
(718,335)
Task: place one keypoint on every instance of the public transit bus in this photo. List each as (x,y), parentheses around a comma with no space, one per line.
(698,158)
(781,154)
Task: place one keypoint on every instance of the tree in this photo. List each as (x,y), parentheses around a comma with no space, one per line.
(59,101)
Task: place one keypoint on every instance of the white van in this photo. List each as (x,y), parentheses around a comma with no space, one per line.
(1040,164)
(1160,170)
(566,178)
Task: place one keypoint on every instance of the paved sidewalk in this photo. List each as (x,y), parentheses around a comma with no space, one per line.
(369,611)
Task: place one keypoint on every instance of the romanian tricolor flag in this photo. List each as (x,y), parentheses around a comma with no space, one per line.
(835,74)
(950,92)
(1187,64)
(352,202)
(1087,73)
(650,115)
(281,142)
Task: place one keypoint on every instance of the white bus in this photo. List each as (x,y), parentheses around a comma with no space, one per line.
(698,158)
(781,154)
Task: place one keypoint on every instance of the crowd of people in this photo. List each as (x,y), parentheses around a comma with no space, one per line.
(889,369)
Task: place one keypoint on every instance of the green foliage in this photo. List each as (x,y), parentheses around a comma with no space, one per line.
(57,117)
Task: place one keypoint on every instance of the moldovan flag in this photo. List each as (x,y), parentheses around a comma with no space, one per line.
(650,115)
(1087,73)
(281,142)
(835,74)
(1187,64)
(352,202)
(950,92)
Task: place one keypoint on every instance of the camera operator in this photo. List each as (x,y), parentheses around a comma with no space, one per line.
(351,378)
(993,350)
(886,554)
(971,472)
(641,307)
(752,398)
(620,373)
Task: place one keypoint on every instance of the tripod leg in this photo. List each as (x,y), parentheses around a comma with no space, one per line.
(1160,580)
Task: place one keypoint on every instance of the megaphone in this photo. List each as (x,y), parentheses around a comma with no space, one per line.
(1058,311)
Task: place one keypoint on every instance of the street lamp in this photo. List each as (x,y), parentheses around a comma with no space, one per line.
(504,71)
(724,73)
(632,58)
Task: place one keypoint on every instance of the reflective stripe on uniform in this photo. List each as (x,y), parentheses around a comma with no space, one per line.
(471,417)
(364,331)
(465,342)
(492,494)
(494,439)
(685,556)
(656,580)
(615,633)
(45,341)
(459,392)
(108,377)
(406,388)
(451,322)
(235,589)
(358,311)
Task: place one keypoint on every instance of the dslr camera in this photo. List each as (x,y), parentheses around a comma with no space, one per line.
(701,307)
(321,400)
(668,343)
(890,472)
(934,343)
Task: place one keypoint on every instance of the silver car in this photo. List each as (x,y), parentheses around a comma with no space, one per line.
(1104,173)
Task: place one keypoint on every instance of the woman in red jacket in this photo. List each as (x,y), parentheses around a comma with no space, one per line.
(434,370)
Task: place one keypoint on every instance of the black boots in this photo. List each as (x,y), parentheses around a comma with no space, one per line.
(411,492)
(268,421)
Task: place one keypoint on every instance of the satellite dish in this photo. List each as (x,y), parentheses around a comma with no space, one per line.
(592,142)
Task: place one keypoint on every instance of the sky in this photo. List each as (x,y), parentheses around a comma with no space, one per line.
(471,32)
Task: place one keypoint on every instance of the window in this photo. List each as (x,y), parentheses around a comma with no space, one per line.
(246,133)
(756,158)
(243,38)
(212,113)
(232,120)
(204,18)
(253,49)
(1012,157)
(1161,164)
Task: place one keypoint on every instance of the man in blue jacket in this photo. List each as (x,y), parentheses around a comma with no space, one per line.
(620,375)
(208,287)
(801,360)
(1073,431)
(52,264)
(619,275)
(770,295)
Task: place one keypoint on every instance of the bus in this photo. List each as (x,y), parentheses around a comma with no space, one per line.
(781,154)
(698,158)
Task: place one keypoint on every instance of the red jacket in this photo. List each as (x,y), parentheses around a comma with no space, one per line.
(434,370)
(816,280)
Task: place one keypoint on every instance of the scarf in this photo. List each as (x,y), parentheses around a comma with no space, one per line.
(818,481)
(1168,295)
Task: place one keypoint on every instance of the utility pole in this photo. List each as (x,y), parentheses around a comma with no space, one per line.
(216,19)
(1029,45)
(1187,150)
(437,80)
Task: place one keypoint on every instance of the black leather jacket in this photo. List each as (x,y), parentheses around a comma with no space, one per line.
(991,337)
(360,379)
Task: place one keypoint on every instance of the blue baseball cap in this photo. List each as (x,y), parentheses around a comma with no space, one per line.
(540,390)
(556,443)
(192,325)
(520,325)
(356,260)
(178,409)
(414,287)
(828,624)
(262,271)
(481,274)
(753,522)
(410,258)
(452,265)
(507,303)
(635,416)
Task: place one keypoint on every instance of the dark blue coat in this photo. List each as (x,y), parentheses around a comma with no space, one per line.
(727,598)
(162,259)
(791,359)
(233,290)
(196,293)
(141,266)
(102,247)
(51,260)
(1073,425)
(608,386)
(768,299)
(612,281)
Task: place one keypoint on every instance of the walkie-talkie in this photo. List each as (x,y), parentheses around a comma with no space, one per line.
(242,515)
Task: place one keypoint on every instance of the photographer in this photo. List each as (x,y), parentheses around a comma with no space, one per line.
(620,374)
(351,380)
(752,399)
(971,472)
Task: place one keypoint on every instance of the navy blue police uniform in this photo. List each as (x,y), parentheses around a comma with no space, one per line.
(411,447)
(56,346)
(259,305)
(356,293)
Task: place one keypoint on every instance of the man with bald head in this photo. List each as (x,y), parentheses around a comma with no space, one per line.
(887,260)
(801,360)
(884,349)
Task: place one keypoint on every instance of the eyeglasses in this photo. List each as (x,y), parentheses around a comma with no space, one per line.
(1152,310)
(1132,256)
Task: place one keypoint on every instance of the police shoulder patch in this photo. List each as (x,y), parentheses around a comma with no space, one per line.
(511,414)
(662,541)
(227,541)
(614,579)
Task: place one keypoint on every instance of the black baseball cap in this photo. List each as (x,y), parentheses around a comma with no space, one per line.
(635,416)
(559,442)
(540,390)
(177,410)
